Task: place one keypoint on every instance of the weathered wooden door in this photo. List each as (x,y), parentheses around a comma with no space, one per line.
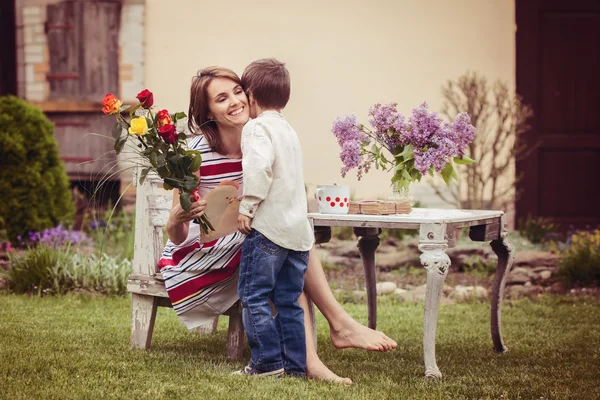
(83,42)
(558,73)
(8,65)
(84,65)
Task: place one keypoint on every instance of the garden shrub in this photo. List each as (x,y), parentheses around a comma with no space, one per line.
(580,261)
(33,182)
(44,269)
(535,229)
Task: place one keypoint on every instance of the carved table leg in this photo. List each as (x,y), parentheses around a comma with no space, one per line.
(505,252)
(436,262)
(367,244)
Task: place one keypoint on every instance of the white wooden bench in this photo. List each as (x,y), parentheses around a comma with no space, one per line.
(146,284)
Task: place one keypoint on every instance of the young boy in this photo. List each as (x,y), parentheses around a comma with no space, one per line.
(273,215)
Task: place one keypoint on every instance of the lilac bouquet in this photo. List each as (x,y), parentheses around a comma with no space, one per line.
(423,144)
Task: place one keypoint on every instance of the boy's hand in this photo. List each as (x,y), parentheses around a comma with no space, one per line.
(244,224)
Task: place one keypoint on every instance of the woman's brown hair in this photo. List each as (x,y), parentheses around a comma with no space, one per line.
(198,120)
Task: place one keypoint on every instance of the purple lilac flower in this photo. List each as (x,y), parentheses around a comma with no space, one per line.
(465,132)
(350,155)
(388,124)
(423,125)
(346,129)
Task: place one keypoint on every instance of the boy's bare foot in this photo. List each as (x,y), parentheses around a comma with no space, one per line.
(353,334)
(315,369)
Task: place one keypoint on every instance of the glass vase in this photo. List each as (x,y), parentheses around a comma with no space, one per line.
(401,194)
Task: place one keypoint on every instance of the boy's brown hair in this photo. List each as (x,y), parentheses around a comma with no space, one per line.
(268,80)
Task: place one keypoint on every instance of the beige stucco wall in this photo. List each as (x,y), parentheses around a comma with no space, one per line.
(343,56)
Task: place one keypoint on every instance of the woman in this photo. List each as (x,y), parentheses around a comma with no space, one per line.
(201,279)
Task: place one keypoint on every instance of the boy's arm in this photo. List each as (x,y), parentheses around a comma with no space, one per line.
(257,161)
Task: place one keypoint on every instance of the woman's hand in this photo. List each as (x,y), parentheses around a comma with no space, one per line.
(196,211)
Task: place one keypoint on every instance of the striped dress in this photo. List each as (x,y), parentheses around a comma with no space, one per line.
(201,279)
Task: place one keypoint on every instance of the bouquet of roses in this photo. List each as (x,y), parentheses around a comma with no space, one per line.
(423,144)
(160,144)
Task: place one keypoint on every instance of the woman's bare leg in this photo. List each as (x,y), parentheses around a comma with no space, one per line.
(315,369)
(344,330)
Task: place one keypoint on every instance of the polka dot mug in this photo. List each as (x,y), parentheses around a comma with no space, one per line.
(333,199)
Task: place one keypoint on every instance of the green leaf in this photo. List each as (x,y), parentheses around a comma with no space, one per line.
(186,162)
(407,153)
(133,109)
(116,130)
(463,160)
(143,175)
(124,108)
(163,171)
(180,115)
(153,159)
(172,182)
(185,201)
(406,175)
(196,162)
(190,183)
(119,143)
(448,173)
(182,136)
(166,186)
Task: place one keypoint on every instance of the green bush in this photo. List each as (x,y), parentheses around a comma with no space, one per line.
(46,270)
(580,261)
(535,229)
(33,182)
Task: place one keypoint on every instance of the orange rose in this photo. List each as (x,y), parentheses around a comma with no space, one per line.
(111,104)
(164,118)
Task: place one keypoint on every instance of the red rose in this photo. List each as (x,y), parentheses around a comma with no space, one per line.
(164,118)
(146,98)
(168,133)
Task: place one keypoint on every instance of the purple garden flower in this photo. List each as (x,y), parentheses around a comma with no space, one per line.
(56,236)
(388,123)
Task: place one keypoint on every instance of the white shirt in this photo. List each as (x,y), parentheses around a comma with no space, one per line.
(274,193)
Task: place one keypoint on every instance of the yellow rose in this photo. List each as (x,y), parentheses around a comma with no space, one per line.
(139,126)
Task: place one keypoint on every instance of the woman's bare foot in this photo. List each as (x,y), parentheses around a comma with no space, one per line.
(315,369)
(353,334)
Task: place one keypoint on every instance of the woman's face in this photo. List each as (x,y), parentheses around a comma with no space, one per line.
(227,103)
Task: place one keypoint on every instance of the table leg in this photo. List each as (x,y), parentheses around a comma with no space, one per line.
(433,244)
(505,252)
(367,244)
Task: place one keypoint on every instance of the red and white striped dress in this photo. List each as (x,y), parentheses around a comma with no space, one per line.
(201,279)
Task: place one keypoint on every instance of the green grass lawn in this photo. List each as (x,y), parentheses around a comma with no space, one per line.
(78,348)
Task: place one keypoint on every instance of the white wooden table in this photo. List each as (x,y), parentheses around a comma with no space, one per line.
(437,232)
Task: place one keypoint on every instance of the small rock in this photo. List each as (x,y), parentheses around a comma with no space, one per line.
(384,288)
(447,289)
(536,258)
(545,275)
(462,293)
(400,291)
(528,284)
(518,275)
(359,296)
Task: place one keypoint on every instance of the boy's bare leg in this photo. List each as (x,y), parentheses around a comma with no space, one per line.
(315,369)
(343,329)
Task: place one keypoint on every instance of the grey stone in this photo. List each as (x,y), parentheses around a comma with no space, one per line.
(384,288)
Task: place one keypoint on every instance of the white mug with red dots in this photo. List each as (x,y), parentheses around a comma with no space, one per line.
(333,199)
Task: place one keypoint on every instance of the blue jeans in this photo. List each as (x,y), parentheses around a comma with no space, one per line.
(269,271)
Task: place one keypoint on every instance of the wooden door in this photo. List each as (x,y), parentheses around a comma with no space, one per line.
(83,43)
(8,66)
(558,74)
